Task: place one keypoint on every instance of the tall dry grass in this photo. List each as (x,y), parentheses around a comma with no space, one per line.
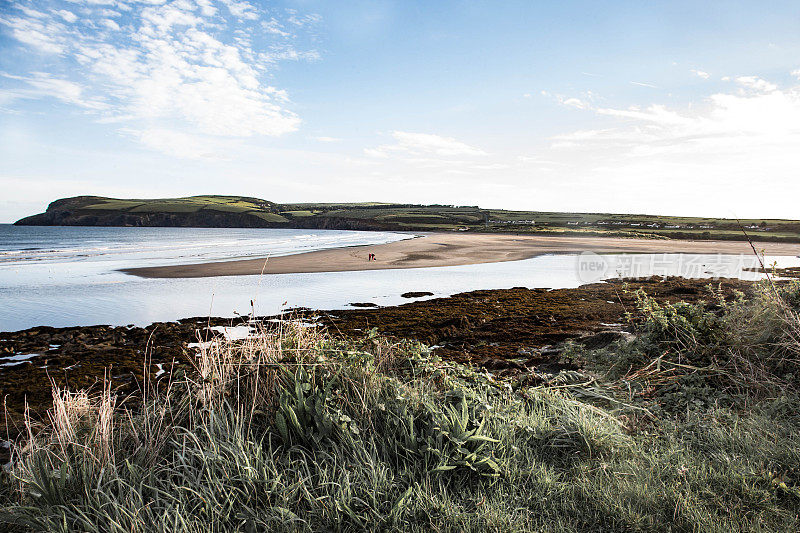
(295,430)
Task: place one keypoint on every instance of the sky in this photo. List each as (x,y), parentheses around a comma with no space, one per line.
(672,107)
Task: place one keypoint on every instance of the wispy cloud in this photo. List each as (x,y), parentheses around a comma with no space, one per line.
(188,66)
(643,84)
(577,103)
(700,73)
(68,16)
(756,114)
(427,156)
(584,102)
(181,144)
(730,140)
(424,145)
(43,34)
(241,9)
(41,84)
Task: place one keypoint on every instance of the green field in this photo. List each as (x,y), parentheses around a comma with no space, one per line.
(271,217)
(411,217)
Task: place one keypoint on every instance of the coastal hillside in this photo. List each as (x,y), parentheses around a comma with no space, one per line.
(245,212)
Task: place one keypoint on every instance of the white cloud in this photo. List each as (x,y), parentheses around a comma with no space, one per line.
(756,83)
(109,13)
(207,8)
(177,143)
(69,16)
(288,53)
(45,36)
(654,114)
(571,101)
(241,9)
(707,156)
(426,156)
(423,145)
(701,74)
(33,13)
(110,24)
(577,103)
(324,139)
(160,19)
(302,20)
(728,122)
(275,27)
(643,84)
(182,66)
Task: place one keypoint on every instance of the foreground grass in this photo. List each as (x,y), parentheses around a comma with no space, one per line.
(294,430)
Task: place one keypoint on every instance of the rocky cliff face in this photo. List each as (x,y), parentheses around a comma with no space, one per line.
(202,219)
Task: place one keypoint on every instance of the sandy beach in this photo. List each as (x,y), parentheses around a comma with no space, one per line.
(450,249)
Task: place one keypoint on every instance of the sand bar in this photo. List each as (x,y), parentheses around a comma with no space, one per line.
(450,249)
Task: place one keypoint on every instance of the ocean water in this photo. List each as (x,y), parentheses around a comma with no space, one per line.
(26,245)
(68,276)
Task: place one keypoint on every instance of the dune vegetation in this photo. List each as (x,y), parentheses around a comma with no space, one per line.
(691,424)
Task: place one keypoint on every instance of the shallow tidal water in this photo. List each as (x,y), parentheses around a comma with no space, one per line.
(67,276)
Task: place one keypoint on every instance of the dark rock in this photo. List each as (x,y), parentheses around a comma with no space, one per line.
(417,294)
(600,340)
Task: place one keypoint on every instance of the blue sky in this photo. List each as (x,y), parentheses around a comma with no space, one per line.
(659,107)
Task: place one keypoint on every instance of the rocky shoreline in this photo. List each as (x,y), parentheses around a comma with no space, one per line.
(506,331)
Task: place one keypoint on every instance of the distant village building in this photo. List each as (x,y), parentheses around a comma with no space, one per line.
(525,222)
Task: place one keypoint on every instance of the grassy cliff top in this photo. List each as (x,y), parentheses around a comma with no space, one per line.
(212,210)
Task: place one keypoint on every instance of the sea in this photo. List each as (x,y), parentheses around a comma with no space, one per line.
(70,276)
